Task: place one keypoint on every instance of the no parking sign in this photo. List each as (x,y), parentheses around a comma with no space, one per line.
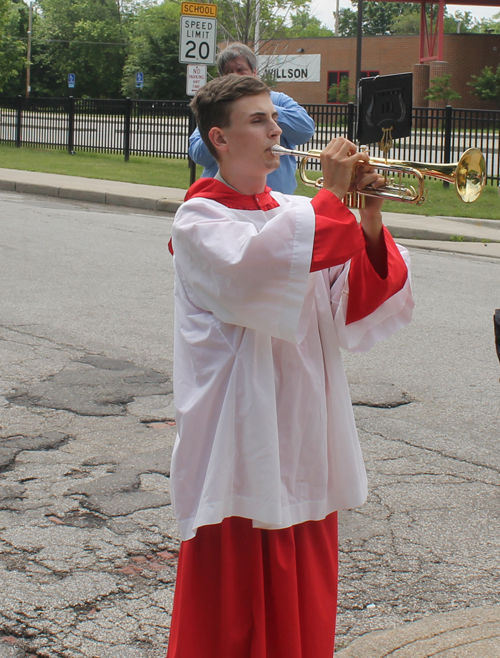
(196,77)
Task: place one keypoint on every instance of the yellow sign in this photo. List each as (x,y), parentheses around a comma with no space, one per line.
(198,9)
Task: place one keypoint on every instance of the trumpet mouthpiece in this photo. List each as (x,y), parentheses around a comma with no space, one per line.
(279,150)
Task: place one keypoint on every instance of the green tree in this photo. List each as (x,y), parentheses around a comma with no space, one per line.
(85,37)
(154,51)
(236,18)
(348,22)
(377,17)
(12,50)
(398,18)
(490,25)
(440,89)
(304,25)
(460,21)
(407,22)
(341,93)
(486,85)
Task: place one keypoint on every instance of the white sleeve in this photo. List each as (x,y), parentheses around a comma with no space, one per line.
(248,268)
(394,314)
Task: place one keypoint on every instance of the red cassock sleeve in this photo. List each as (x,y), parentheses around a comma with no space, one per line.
(339,238)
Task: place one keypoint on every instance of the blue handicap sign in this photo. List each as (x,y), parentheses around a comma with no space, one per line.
(71,79)
(139,80)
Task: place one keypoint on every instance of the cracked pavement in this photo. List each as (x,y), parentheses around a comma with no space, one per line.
(88,543)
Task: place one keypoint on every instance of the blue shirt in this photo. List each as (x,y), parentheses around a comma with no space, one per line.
(297,127)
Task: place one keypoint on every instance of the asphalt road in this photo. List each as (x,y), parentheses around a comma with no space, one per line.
(88,544)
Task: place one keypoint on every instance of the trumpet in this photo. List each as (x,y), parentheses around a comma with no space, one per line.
(468,175)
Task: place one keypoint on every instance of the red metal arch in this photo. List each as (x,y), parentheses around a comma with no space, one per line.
(431,31)
(432,26)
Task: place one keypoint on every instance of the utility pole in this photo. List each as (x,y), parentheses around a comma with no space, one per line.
(257,28)
(337,12)
(28,62)
(359,40)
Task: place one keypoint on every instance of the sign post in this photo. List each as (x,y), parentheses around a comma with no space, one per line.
(71,80)
(197,48)
(139,80)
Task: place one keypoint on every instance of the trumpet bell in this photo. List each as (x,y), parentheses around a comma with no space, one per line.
(470,177)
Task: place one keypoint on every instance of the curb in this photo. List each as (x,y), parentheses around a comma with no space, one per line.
(92,196)
(412,233)
(474,632)
(408,233)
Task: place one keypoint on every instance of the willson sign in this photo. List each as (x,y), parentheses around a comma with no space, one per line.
(290,68)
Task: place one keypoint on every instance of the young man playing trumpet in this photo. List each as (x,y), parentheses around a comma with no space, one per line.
(268,288)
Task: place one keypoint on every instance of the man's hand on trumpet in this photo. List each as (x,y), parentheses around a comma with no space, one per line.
(343,172)
(338,160)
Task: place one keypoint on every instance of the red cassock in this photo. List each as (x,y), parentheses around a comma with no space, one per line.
(244,592)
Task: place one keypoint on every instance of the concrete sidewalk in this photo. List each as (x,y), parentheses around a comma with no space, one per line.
(459,235)
(94,190)
(469,633)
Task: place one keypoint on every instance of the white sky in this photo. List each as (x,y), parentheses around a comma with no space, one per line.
(323,9)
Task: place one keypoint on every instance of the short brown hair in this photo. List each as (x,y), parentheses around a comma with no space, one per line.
(212,104)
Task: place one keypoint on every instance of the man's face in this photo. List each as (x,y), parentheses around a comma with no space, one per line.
(250,135)
(239,66)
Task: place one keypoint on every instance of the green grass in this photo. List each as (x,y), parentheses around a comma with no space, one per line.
(175,173)
(107,166)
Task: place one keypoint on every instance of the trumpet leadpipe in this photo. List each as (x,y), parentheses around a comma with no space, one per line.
(277,149)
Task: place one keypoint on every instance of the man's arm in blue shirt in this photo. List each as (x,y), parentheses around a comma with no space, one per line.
(296,124)
(201,155)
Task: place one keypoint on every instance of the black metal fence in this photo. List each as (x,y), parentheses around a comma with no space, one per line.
(438,135)
(162,128)
(131,127)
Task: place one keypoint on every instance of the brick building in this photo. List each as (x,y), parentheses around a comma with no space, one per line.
(463,54)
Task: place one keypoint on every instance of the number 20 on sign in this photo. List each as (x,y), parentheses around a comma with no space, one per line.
(197,40)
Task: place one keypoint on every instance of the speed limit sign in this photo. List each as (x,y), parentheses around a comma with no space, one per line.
(198,40)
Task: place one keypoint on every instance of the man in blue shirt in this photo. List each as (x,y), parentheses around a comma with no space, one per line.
(296,124)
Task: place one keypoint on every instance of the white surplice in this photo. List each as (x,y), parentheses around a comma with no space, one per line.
(265,423)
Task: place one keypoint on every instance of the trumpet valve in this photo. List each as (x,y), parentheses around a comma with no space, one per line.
(354,200)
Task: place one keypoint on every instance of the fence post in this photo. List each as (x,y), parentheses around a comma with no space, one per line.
(191,163)
(18,120)
(350,122)
(71,125)
(447,137)
(126,129)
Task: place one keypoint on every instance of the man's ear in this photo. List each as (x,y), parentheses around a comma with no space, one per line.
(218,139)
